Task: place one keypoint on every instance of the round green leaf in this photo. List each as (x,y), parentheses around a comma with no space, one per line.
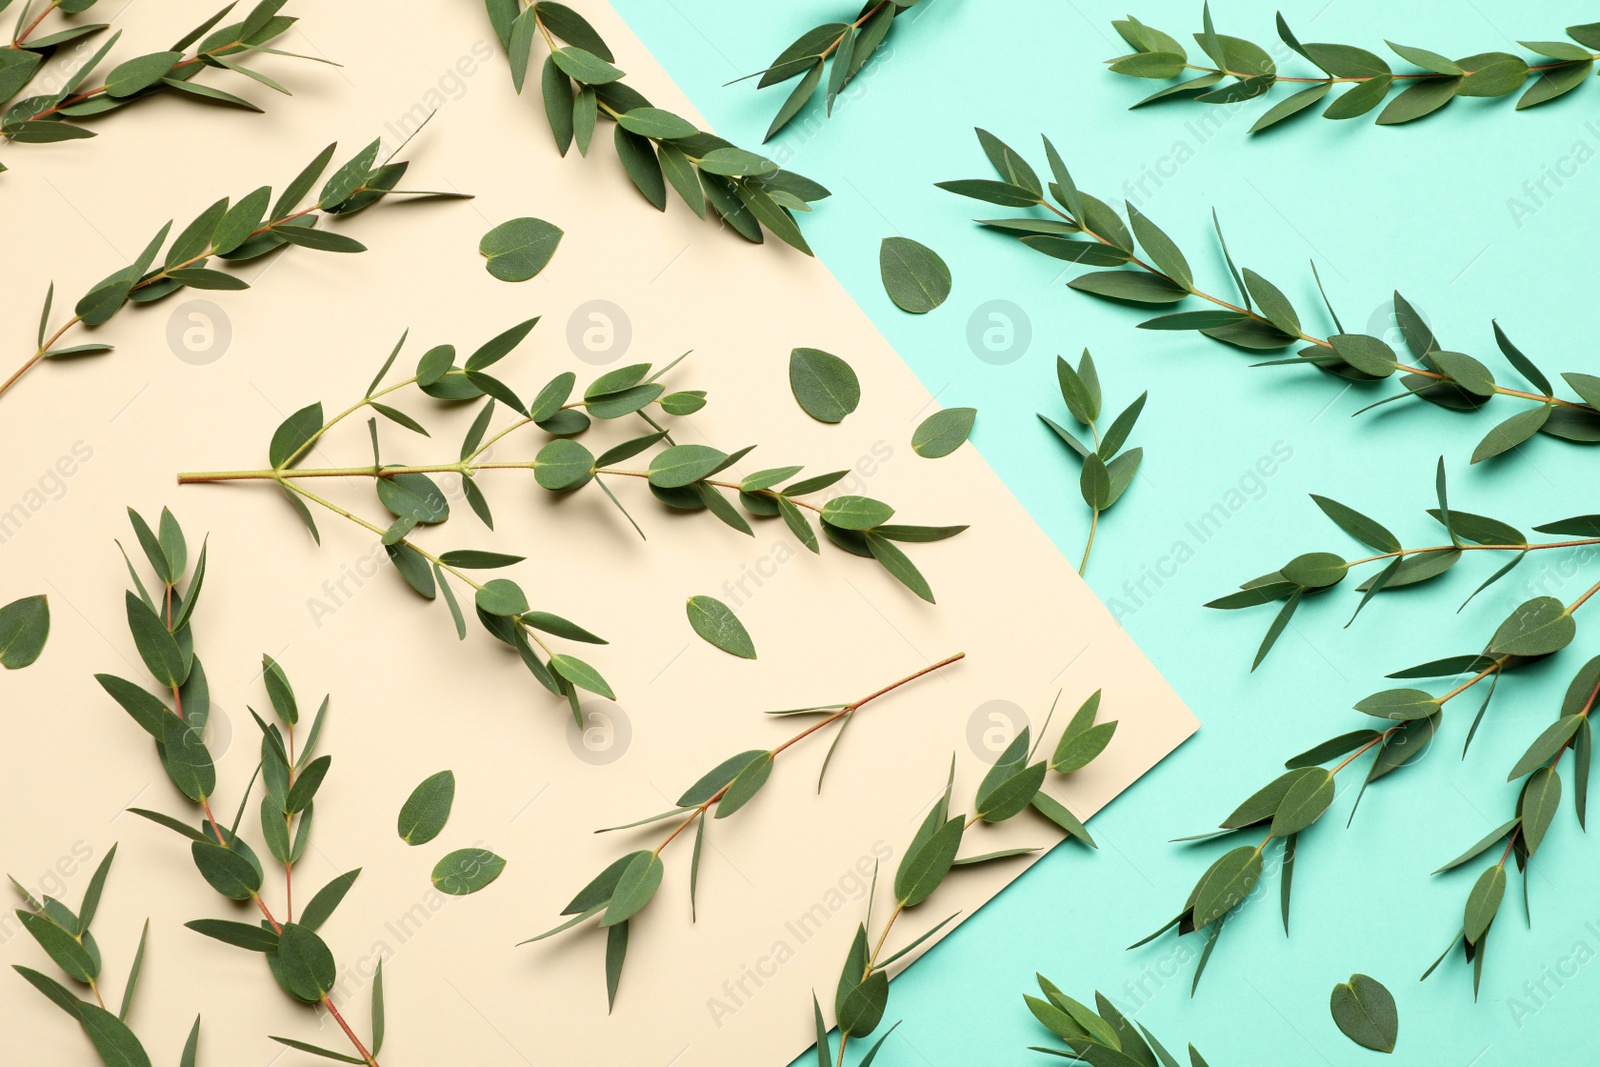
(467,870)
(825,386)
(1364,1011)
(305,963)
(24,626)
(519,249)
(914,276)
(563,465)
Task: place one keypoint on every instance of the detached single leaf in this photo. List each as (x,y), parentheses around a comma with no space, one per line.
(914,276)
(519,249)
(467,870)
(426,810)
(1365,1012)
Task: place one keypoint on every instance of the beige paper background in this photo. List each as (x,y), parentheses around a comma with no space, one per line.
(83,440)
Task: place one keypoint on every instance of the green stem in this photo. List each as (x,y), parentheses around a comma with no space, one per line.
(1408,76)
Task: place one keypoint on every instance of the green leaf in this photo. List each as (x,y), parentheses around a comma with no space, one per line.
(1291,105)
(1368,531)
(745,785)
(413,496)
(249,936)
(1540,800)
(897,563)
(1305,801)
(139,73)
(1538,627)
(682,465)
(426,810)
(563,465)
(639,881)
(825,386)
(1226,884)
(1512,432)
(718,625)
(1057,812)
(466,870)
(581,674)
(24,626)
(61,945)
(1369,355)
(1361,99)
(1315,570)
(924,867)
(1364,1011)
(1483,902)
(519,249)
(304,963)
(852,512)
(1136,287)
(322,906)
(1399,705)
(914,276)
(229,871)
(1550,743)
(736,163)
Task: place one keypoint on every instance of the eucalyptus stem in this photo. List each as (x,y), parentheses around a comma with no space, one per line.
(1321,342)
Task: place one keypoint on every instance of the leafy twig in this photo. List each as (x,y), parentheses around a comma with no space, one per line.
(1107,470)
(622,890)
(1089,232)
(50,117)
(1292,802)
(238,232)
(1311,573)
(679,476)
(849,45)
(299,959)
(1101,1034)
(657,148)
(1253,73)
(1012,785)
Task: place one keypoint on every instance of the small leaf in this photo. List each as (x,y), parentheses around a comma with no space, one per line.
(426,810)
(825,386)
(716,622)
(24,626)
(1364,1011)
(467,870)
(914,276)
(519,249)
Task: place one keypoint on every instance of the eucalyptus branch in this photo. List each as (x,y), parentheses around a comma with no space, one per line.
(297,957)
(1537,803)
(681,477)
(1254,73)
(1317,572)
(849,44)
(1089,232)
(1014,784)
(657,148)
(622,890)
(244,231)
(1101,1034)
(1295,800)
(24,627)
(47,118)
(66,938)
(1106,474)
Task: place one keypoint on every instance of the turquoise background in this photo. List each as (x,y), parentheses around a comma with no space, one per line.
(1426,209)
